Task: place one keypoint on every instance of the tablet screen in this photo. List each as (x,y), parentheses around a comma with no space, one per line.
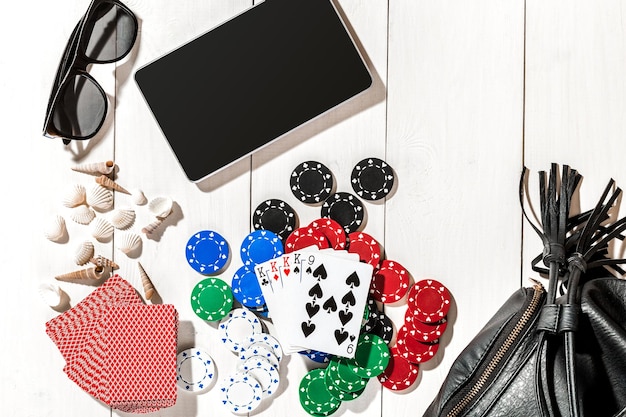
(250,80)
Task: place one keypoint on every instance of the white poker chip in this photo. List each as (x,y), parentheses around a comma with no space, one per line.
(259,349)
(237,327)
(267,339)
(195,370)
(264,372)
(240,393)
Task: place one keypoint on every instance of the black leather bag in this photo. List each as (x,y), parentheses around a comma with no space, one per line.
(559,351)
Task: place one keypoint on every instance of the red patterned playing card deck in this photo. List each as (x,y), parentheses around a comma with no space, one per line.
(119,350)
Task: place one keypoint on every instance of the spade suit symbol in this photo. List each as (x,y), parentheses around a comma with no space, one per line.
(349,298)
(320,272)
(330,305)
(307,328)
(316,291)
(353,280)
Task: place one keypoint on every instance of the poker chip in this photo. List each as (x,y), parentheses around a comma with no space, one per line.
(424,332)
(265,339)
(371,356)
(304,237)
(264,372)
(246,289)
(276,216)
(314,395)
(429,300)
(311,182)
(372,179)
(211,299)
(383,328)
(240,393)
(259,349)
(340,375)
(260,246)
(316,355)
(390,282)
(365,246)
(413,350)
(400,374)
(207,252)
(195,370)
(236,328)
(333,231)
(346,209)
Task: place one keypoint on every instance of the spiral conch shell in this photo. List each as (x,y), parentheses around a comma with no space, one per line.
(75,196)
(122,218)
(95,168)
(103,262)
(100,198)
(148,287)
(55,229)
(101,229)
(129,242)
(92,273)
(82,214)
(84,252)
(107,182)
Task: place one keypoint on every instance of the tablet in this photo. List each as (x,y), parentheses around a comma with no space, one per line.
(250,80)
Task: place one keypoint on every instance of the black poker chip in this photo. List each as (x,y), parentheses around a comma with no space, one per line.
(276,216)
(311,182)
(372,179)
(346,209)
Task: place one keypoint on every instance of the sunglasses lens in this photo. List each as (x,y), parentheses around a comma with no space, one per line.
(110,32)
(81,108)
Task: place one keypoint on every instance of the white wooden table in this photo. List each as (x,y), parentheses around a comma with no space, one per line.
(465,94)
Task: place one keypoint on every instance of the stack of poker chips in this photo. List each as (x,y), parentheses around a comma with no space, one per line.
(256,378)
(417,340)
(322,390)
(119,350)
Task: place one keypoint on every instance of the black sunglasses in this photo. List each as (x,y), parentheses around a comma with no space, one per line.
(78,105)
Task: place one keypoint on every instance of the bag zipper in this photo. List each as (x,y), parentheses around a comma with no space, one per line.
(509,342)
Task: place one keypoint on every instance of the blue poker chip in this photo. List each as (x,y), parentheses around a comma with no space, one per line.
(207,252)
(260,246)
(246,288)
(316,355)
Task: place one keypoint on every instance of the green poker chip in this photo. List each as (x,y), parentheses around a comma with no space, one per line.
(211,299)
(315,397)
(371,356)
(340,376)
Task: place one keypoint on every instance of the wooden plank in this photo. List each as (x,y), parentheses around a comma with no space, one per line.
(454,137)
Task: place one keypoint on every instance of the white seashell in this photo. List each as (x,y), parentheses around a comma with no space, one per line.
(139,197)
(101,229)
(149,229)
(129,242)
(75,196)
(55,229)
(84,252)
(161,206)
(51,294)
(100,198)
(122,218)
(82,214)
(95,168)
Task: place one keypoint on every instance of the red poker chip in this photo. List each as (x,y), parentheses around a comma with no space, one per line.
(390,282)
(333,231)
(413,350)
(365,246)
(304,237)
(429,300)
(424,332)
(399,374)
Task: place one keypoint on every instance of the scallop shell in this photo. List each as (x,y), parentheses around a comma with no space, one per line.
(95,168)
(84,252)
(161,206)
(129,242)
(75,196)
(51,294)
(55,229)
(139,198)
(122,218)
(148,287)
(93,273)
(100,198)
(82,214)
(101,229)
(107,182)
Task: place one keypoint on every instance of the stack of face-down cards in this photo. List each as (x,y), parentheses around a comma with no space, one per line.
(316,299)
